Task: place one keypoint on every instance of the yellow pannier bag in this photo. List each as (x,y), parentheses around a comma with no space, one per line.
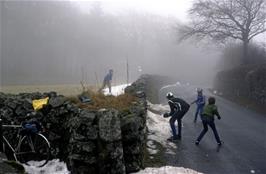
(38,104)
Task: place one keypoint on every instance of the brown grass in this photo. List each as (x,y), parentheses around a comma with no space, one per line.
(121,102)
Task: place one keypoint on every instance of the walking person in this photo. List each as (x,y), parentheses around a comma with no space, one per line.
(179,108)
(107,81)
(207,117)
(200,101)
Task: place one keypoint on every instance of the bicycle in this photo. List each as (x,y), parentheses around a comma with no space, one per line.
(32,148)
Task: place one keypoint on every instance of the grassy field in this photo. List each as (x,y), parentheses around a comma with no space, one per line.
(67,90)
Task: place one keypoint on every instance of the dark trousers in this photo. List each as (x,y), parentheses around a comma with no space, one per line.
(172,125)
(206,123)
(177,117)
(106,83)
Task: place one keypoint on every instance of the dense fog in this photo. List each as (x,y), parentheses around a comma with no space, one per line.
(45,42)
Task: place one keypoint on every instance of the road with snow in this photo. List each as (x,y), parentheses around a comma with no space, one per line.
(243,132)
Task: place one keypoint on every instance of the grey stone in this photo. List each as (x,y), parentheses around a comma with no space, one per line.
(57,101)
(109,126)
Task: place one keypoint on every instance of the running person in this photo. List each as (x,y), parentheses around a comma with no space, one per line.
(208,120)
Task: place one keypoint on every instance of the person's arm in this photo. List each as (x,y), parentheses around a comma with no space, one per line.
(217,113)
(173,106)
(193,102)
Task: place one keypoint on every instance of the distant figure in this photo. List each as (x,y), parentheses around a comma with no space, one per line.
(208,120)
(107,81)
(179,108)
(200,101)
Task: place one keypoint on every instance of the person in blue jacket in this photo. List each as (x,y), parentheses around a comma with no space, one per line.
(200,101)
(107,81)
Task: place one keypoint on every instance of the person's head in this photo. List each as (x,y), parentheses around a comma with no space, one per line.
(199,91)
(111,71)
(169,95)
(211,100)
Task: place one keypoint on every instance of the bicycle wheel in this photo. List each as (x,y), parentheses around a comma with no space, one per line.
(33,150)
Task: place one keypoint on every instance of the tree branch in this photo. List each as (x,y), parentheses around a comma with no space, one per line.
(255,34)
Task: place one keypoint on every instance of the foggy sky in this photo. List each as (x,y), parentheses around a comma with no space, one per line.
(55,43)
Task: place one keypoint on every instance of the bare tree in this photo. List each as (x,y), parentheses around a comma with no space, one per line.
(221,20)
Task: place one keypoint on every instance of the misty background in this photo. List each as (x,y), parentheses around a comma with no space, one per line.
(49,42)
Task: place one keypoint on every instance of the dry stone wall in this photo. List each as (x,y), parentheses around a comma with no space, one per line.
(104,141)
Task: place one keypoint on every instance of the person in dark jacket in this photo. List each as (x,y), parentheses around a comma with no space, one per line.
(200,101)
(207,117)
(107,81)
(179,108)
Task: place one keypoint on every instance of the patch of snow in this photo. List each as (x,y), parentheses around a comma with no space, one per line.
(54,166)
(150,144)
(151,147)
(159,108)
(168,170)
(116,90)
(152,151)
(158,126)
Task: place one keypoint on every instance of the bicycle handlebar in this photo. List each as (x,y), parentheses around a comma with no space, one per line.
(10,125)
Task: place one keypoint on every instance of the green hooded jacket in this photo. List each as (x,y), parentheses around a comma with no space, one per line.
(210,110)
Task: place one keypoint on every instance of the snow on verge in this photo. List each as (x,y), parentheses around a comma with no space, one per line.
(159,131)
(116,90)
(52,167)
(158,126)
(168,170)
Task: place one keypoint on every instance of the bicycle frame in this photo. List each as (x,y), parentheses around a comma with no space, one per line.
(3,139)
(17,153)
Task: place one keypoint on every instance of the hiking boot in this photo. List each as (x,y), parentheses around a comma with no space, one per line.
(172,138)
(197,143)
(178,137)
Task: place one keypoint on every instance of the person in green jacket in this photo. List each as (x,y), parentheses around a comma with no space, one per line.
(207,117)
